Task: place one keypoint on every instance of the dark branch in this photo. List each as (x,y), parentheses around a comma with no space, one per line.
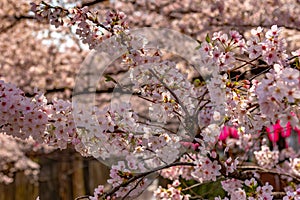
(142,175)
(222,24)
(91,3)
(15,20)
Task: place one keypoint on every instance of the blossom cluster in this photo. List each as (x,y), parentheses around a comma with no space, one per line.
(89,28)
(249,189)
(117,135)
(267,158)
(278,95)
(22,116)
(172,192)
(233,104)
(292,195)
(25,117)
(271,47)
(206,170)
(14,159)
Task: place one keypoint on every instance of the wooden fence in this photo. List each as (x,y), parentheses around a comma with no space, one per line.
(64,175)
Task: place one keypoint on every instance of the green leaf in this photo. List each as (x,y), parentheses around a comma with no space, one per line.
(200,43)
(207,38)
(197,82)
(297,63)
(109,78)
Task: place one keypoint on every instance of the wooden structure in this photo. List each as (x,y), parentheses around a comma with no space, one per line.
(64,175)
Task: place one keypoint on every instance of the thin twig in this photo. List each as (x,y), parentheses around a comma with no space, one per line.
(268,171)
(82,197)
(246,63)
(134,178)
(171,91)
(266,70)
(132,189)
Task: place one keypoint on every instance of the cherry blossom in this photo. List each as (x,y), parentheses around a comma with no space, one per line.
(252,105)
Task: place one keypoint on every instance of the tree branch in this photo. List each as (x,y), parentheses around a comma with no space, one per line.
(222,24)
(142,175)
(91,3)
